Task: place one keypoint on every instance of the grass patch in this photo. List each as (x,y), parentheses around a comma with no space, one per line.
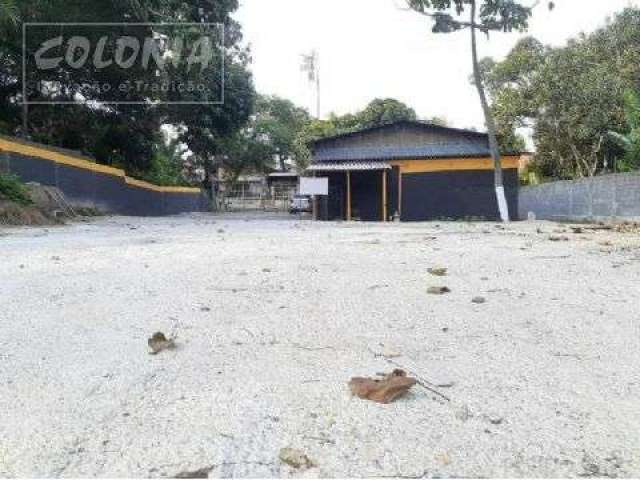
(12,189)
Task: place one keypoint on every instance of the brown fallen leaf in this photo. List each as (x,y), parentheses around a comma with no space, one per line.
(384,390)
(438,290)
(159,342)
(295,458)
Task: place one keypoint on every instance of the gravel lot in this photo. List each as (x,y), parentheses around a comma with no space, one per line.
(274,316)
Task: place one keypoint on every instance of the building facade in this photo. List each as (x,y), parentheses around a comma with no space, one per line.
(413,171)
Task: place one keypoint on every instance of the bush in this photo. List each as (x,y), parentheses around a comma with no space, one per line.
(11,188)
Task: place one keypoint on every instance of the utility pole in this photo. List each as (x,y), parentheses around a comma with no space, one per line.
(311,66)
(25,119)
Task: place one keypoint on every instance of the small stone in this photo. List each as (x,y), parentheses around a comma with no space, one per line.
(205,309)
(159,342)
(438,271)
(295,458)
(496,420)
(438,290)
(558,238)
(463,414)
(200,473)
(479,300)
(266,270)
(445,384)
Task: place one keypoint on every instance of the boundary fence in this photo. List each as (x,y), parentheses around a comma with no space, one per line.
(86,183)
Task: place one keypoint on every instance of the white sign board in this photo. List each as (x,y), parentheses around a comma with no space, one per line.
(314,186)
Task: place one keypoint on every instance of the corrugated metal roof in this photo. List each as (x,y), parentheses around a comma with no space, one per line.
(403,123)
(283,174)
(396,152)
(348,166)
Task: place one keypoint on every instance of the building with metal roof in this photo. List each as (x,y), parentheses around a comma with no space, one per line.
(413,171)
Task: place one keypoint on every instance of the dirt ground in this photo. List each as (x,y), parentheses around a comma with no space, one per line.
(274,316)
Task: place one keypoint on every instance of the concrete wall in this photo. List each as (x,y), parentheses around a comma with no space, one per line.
(598,198)
(88,184)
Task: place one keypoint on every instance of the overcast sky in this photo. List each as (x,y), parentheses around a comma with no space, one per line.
(372,48)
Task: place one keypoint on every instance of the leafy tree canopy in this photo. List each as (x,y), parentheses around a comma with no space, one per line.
(127,135)
(572,97)
(277,121)
(496,15)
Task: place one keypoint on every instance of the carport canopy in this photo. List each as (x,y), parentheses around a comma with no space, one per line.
(348,166)
(353,167)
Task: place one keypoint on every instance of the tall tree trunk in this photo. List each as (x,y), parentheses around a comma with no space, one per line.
(491,124)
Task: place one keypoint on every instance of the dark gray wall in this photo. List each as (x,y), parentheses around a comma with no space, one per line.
(598,198)
(108,193)
(455,195)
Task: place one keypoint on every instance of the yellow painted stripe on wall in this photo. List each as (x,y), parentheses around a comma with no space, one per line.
(157,188)
(57,157)
(85,164)
(453,164)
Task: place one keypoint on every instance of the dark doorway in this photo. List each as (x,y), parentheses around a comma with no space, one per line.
(366,196)
(337,196)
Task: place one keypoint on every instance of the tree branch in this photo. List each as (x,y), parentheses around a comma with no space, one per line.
(457,23)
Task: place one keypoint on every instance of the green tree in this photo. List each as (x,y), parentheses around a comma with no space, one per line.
(571,97)
(384,111)
(278,122)
(313,130)
(484,16)
(629,142)
(8,11)
(510,86)
(129,135)
(244,152)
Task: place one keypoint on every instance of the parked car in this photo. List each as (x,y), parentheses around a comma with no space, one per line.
(300,204)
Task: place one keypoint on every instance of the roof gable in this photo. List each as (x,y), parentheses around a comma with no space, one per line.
(401,140)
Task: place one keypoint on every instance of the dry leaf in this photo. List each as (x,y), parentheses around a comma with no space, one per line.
(385,390)
(438,290)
